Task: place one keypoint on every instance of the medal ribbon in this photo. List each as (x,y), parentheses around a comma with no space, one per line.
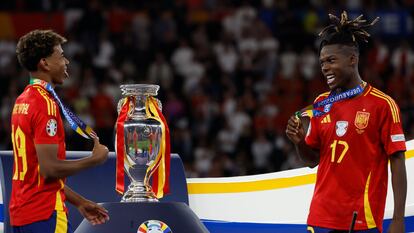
(120,144)
(322,107)
(74,121)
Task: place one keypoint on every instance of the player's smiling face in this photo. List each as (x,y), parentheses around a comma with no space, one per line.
(57,64)
(337,65)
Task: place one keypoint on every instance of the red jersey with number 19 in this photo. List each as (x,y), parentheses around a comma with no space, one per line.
(355,139)
(35,120)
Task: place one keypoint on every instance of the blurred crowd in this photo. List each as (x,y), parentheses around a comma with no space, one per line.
(231,72)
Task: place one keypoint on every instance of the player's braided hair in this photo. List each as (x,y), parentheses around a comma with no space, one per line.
(345,31)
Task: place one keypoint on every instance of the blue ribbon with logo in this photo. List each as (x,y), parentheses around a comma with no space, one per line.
(74,121)
(313,110)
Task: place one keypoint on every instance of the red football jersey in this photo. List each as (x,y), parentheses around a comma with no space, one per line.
(355,139)
(35,120)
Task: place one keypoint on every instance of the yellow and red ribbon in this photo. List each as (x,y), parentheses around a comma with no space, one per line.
(159,170)
(120,145)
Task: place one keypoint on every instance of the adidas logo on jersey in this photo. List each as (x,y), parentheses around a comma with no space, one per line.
(326,119)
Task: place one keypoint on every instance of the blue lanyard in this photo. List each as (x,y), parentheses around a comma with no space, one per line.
(313,110)
(74,121)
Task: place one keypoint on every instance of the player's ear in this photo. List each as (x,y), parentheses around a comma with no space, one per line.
(353,59)
(43,64)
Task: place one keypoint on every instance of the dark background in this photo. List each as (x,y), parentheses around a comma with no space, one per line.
(231,72)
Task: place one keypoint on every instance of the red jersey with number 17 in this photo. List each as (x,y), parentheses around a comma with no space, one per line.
(355,139)
(35,120)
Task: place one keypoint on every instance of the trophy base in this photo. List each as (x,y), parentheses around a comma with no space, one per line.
(128,217)
(138,192)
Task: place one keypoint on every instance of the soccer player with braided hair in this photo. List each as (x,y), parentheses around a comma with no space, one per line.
(351,132)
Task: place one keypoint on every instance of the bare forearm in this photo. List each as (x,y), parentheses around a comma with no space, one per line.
(399,184)
(53,168)
(307,155)
(73,197)
(93,212)
(64,168)
(296,131)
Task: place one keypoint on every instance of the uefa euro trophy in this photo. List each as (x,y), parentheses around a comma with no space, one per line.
(142,144)
(143,135)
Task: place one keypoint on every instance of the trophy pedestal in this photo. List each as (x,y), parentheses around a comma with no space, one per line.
(138,192)
(127,217)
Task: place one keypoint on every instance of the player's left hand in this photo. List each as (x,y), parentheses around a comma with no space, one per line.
(396,226)
(93,212)
(295,130)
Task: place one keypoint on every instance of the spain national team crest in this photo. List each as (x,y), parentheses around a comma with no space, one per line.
(341,127)
(361,121)
(154,226)
(51,127)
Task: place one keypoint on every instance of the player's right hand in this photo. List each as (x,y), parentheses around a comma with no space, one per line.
(99,152)
(295,130)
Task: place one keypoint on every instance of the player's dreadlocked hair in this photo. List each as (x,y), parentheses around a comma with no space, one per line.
(345,32)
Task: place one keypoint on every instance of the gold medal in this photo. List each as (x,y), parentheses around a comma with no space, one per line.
(297,119)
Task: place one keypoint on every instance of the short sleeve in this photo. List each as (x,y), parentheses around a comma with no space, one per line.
(312,138)
(45,124)
(392,134)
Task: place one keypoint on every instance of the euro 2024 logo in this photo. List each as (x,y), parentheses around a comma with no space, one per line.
(154,226)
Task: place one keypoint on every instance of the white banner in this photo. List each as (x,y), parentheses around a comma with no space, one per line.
(280,197)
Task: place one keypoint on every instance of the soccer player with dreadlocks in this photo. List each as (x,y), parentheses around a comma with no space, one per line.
(351,132)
